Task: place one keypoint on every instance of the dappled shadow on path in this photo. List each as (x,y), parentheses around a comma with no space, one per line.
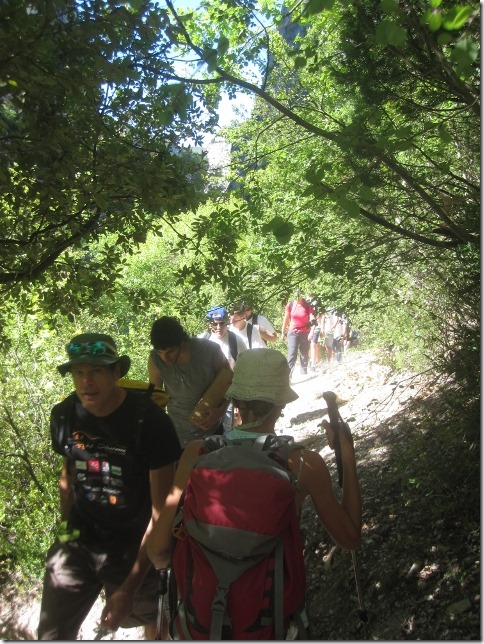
(419,562)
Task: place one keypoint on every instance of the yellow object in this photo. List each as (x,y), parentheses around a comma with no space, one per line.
(214,396)
(159,396)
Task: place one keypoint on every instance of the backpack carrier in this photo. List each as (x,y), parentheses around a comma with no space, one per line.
(233,348)
(145,391)
(237,559)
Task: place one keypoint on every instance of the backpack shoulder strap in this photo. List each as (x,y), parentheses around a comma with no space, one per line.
(234,351)
(141,409)
(64,422)
(214,442)
(206,335)
(249,335)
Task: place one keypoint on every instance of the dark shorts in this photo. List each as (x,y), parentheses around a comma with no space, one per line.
(74,577)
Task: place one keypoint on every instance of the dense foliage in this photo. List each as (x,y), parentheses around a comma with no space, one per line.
(356,178)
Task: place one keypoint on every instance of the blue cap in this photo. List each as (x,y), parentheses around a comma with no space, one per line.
(217,314)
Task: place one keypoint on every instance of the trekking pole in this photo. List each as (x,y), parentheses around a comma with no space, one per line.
(335,420)
(162,589)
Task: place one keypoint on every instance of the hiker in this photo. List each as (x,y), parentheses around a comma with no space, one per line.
(346,333)
(231,344)
(265,328)
(298,319)
(338,336)
(261,389)
(315,346)
(186,367)
(328,327)
(248,332)
(217,319)
(119,452)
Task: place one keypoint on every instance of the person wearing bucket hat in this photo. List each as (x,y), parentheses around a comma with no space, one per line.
(119,454)
(261,389)
(263,375)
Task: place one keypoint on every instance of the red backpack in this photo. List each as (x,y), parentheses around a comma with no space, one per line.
(237,564)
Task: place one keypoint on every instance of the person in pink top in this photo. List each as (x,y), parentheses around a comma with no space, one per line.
(298,319)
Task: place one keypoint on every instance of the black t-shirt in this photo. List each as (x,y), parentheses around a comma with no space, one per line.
(110,462)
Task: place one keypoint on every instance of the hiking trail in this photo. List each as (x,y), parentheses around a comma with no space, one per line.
(418,567)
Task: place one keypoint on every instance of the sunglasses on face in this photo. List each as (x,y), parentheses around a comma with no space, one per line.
(218,323)
(75,349)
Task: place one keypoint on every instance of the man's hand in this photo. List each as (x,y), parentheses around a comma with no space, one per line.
(211,417)
(117,608)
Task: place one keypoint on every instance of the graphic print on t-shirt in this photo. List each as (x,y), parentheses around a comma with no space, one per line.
(99,480)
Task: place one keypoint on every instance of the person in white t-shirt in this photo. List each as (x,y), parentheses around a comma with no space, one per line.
(230,343)
(249,333)
(265,328)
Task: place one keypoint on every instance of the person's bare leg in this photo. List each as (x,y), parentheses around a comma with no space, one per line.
(150,631)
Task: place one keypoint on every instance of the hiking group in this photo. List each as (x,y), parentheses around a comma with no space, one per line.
(204,489)
(309,328)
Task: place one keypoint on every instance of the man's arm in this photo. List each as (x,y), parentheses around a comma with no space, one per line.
(159,540)
(215,414)
(120,604)
(266,330)
(154,374)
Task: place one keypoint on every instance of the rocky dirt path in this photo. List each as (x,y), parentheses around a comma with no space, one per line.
(418,568)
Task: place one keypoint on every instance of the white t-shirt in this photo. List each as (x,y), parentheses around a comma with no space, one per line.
(264,324)
(224,345)
(257,341)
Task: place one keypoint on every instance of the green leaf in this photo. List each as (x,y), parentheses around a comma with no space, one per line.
(280,228)
(312,7)
(444,135)
(457,17)
(444,39)
(464,54)
(435,3)
(389,32)
(299,62)
(389,6)
(433,19)
(223,45)
(350,206)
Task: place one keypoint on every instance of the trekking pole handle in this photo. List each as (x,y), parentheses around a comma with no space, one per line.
(334,420)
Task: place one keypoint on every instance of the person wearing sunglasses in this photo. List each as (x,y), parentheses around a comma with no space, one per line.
(119,454)
(231,344)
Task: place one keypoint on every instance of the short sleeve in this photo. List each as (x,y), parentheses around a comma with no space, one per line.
(160,442)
